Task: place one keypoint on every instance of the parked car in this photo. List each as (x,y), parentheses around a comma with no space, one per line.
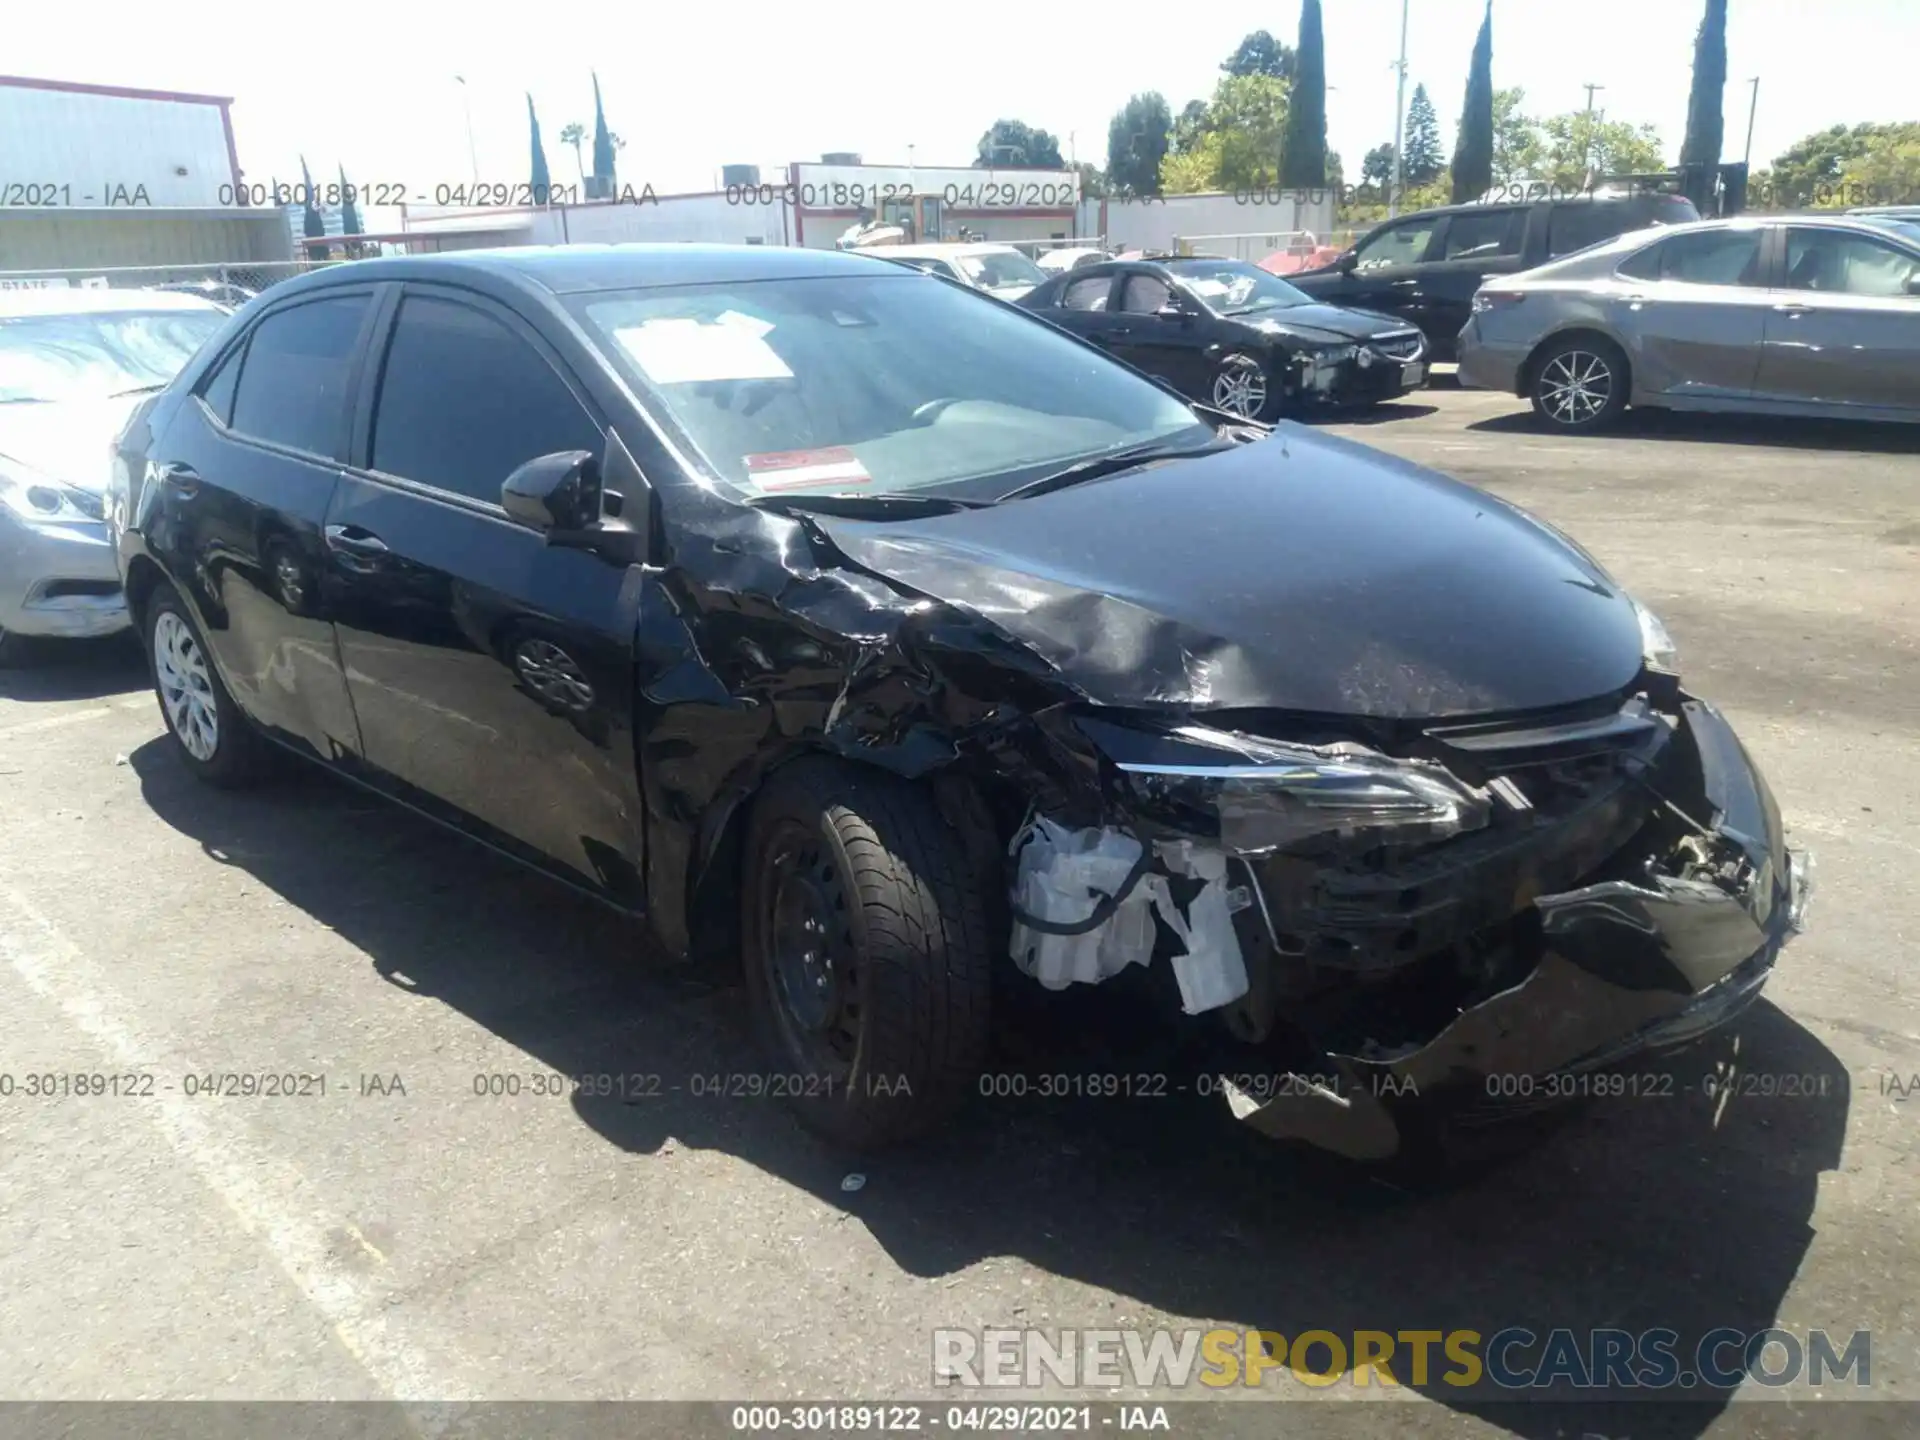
(1055,262)
(1424,268)
(1233,336)
(1000,270)
(73,364)
(870,631)
(1903,218)
(1797,315)
(224,293)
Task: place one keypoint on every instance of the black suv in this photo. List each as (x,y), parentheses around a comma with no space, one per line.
(1425,267)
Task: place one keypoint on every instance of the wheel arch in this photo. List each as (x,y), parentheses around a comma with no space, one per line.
(714,874)
(1582,330)
(144,576)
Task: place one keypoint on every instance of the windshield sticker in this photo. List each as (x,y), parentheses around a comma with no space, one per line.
(795,469)
(685,352)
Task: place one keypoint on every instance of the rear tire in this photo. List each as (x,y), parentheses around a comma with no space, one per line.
(15,650)
(1579,384)
(212,738)
(867,951)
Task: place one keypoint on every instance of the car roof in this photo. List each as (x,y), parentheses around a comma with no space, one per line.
(76,301)
(581,269)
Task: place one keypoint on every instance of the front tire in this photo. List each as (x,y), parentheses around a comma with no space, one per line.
(1579,384)
(1241,386)
(867,951)
(212,738)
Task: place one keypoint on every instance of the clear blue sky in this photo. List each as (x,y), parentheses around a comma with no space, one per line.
(693,86)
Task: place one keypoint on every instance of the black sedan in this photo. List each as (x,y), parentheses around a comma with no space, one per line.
(911,654)
(1232,336)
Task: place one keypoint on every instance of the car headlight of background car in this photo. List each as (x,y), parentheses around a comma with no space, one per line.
(41,499)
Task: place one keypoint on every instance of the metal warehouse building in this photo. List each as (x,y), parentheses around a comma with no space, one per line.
(99,176)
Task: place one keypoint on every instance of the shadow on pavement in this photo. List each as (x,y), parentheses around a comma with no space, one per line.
(76,670)
(1639,1213)
(1383,414)
(1864,436)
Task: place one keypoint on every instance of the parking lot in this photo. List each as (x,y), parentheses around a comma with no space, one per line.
(406,1232)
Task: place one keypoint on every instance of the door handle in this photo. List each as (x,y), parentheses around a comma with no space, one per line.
(1791,308)
(352,540)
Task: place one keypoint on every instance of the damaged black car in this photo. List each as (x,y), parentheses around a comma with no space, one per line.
(905,649)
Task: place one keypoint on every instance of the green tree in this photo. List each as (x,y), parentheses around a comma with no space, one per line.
(1576,145)
(541,181)
(575,135)
(1015,143)
(1093,181)
(312,224)
(1303,153)
(1241,150)
(603,146)
(1830,168)
(349,211)
(1473,151)
(1377,166)
(1260,54)
(1137,143)
(1700,151)
(1423,163)
(1518,153)
(1189,127)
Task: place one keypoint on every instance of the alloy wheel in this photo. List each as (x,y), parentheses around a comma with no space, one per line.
(1240,389)
(552,674)
(186,686)
(1575,387)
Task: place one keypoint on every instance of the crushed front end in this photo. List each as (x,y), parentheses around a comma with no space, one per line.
(1452,917)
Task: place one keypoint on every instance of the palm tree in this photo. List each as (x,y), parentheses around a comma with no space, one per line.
(576,136)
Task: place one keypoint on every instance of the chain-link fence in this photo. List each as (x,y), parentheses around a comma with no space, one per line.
(224,282)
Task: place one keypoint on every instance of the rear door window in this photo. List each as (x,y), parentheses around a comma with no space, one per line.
(1483,234)
(1702,257)
(293,385)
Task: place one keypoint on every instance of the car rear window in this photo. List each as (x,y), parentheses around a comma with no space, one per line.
(293,383)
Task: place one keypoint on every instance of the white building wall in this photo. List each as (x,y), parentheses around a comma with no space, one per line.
(711,219)
(1000,204)
(1270,215)
(105,148)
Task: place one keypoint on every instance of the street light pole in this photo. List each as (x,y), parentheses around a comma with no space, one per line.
(1752,110)
(1586,153)
(1399,117)
(466,103)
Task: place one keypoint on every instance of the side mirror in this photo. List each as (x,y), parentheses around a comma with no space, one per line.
(554,492)
(1348,262)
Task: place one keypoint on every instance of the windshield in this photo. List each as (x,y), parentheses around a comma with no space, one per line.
(1233,287)
(91,356)
(875,384)
(997,268)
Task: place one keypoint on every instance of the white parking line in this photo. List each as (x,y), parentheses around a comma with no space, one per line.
(140,701)
(272,1200)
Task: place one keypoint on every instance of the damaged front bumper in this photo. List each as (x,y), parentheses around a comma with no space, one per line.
(1642,959)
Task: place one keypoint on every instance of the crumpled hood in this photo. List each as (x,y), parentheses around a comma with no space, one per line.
(1301,572)
(68,440)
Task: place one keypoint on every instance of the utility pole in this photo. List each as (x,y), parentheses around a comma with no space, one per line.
(1586,154)
(466,103)
(1752,110)
(1399,117)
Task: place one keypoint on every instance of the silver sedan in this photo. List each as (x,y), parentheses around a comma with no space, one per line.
(74,363)
(1787,315)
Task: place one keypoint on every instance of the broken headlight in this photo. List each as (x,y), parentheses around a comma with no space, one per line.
(1264,795)
(1656,645)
